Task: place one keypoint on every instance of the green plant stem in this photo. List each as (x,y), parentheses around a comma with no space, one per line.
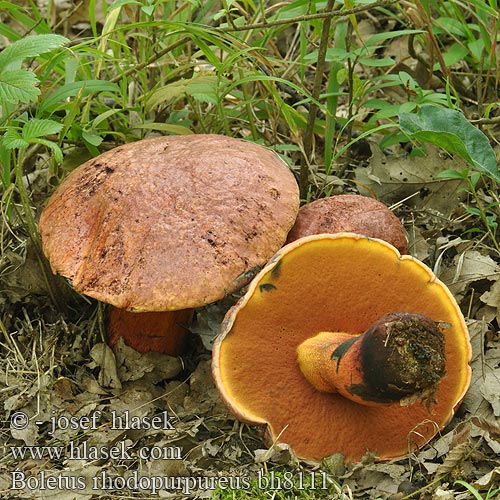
(484,219)
(318,82)
(32,229)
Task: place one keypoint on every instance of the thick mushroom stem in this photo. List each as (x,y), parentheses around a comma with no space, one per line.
(401,357)
(165,331)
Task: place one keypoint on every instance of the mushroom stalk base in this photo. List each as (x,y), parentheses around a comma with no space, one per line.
(165,332)
(400,358)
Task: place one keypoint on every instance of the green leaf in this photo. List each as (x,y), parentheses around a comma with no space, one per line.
(91,138)
(165,127)
(166,93)
(453,174)
(203,88)
(37,127)
(29,46)
(18,86)
(451,131)
(53,147)
(473,211)
(50,103)
(388,35)
(12,139)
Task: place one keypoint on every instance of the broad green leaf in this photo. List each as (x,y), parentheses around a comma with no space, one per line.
(37,127)
(29,46)
(453,174)
(454,54)
(450,130)
(91,138)
(18,86)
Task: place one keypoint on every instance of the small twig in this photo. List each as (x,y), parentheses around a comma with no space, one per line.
(152,59)
(486,121)
(326,14)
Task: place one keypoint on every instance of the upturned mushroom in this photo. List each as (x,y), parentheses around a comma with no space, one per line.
(342,345)
(350,213)
(167,224)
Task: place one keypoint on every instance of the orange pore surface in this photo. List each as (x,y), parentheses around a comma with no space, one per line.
(341,282)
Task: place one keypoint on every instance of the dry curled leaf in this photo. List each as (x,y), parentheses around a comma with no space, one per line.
(454,458)
(104,359)
(492,428)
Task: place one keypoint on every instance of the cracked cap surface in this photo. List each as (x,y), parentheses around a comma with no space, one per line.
(169,223)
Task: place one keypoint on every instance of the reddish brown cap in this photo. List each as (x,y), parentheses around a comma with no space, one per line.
(350,213)
(171,222)
(334,283)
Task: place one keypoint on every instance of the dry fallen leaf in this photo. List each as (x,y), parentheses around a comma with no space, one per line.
(468,267)
(395,178)
(474,402)
(133,365)
(490,390)
(104,359)
(490,480)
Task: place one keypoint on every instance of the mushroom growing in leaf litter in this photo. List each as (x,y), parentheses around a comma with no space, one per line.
(168,224)
(342,345)
(350,213)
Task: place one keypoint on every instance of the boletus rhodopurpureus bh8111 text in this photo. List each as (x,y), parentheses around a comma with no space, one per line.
(168,224)
(342,345)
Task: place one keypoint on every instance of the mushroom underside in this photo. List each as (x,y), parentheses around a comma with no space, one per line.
(336,283)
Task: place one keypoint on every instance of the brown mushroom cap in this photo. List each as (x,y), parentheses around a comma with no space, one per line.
(351,213)
(333,283)
(169,223)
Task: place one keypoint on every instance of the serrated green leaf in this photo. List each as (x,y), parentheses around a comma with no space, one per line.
(450,130)
(165,94)
(29,46)
(54,148)
(12,139)
(37,127)
(18,86)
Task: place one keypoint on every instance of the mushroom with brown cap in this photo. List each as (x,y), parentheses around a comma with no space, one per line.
(352,213)
(290,355)
(168,224)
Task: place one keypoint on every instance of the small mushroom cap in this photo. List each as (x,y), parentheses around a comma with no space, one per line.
(333,283)
(171,222)
(351,213)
